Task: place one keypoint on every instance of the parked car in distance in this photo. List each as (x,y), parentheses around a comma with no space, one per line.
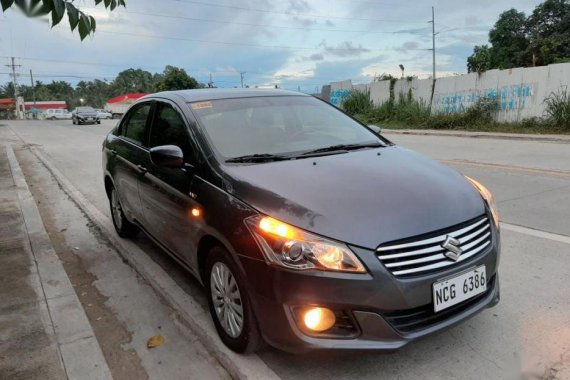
(82,115)
(57,114)
(308,229)
(102,114)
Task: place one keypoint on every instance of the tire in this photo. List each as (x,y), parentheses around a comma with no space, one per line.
(244,338)
(124,228)
(73,121)
(98,121)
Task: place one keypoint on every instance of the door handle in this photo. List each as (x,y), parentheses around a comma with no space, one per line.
(114,152)
(141,169)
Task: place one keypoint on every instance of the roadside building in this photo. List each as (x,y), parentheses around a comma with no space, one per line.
(7,108)
(117,106)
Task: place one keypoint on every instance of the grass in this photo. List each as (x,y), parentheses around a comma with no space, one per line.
(408,113)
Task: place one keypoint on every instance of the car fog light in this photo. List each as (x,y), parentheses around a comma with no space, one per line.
(319,319)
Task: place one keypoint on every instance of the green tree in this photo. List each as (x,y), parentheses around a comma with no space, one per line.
(480,60)
(549,31)
(175,78)
(508,40)
(94,93)
(56,9)
(133,80)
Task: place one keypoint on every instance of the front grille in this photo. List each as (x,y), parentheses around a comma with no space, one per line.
(425,254)
(407,321)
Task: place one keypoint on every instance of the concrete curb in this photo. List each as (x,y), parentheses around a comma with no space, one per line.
(190,312)
(78,347)
(561,139)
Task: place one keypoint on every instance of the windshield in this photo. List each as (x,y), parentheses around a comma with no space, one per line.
(85,109)
(277,125)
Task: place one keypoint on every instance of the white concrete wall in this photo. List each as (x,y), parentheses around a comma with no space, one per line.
(380,92)
(339,91)
(520,92)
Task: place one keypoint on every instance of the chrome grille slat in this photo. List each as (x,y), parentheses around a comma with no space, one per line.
(427,254)
(438,256)
(436,248)
(434,239)
(443,263)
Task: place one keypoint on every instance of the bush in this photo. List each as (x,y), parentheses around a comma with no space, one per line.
(357,102)
(558,109)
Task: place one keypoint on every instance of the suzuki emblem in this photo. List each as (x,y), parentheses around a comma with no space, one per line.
(451,245)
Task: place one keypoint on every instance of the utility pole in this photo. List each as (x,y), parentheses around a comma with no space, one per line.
(242,73)
(433,39)
(15,84)
(33,87)
(210,83)
(433,34)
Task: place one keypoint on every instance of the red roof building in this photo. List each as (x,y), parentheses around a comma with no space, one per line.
(44,105)
(126,98)
(7,104)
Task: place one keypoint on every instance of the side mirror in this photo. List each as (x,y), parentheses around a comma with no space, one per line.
(167,156)
(376,129)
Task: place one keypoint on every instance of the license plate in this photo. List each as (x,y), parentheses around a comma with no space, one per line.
(456,289)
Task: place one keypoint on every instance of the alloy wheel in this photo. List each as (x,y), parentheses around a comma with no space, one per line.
(116,209)
(227,299)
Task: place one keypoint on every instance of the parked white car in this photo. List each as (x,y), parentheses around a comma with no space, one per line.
(102,114)
(57,114)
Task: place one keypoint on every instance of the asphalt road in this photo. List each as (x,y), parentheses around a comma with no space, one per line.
(527,335)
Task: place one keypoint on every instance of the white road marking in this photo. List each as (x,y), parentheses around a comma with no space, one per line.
(536,233)
(556,173)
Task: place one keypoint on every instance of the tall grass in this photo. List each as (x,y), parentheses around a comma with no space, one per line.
(357,102)
(558,109)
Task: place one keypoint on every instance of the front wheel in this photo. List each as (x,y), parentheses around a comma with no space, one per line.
(124,228)
(229,303)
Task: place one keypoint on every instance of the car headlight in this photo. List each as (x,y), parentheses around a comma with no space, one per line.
(488,197)
(293,248)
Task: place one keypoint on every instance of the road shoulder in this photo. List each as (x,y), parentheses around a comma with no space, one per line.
(78,349)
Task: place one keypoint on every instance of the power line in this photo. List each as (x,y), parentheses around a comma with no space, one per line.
(329,49)
(295,14)
(186,18)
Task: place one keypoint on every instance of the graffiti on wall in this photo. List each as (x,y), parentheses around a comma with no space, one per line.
(510,98)
(337,96)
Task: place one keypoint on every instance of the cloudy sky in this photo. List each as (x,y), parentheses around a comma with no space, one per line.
(293,43)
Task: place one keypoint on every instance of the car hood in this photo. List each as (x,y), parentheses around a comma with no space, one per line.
(360,197)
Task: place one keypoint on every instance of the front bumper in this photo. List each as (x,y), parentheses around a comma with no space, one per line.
(88,119)
(376,302)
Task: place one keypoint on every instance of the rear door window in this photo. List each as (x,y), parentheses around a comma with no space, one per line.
(134,126)
(169,128)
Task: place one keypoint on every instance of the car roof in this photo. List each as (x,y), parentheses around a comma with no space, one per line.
(198,95)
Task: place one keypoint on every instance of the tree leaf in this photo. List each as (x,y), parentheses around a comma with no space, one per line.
(155,341)
(93,24)
(6,4)
(97,2)
(22,4)
(122,2)
(41,10)
(73,15)
(84,27)
(57,12)
(113,4)
(107,3)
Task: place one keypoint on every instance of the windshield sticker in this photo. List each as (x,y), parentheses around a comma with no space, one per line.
(201,105)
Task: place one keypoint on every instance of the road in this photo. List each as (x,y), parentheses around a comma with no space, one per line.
(527,335)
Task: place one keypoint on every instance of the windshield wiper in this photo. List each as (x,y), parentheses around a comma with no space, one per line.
(344,147)
(263,157)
